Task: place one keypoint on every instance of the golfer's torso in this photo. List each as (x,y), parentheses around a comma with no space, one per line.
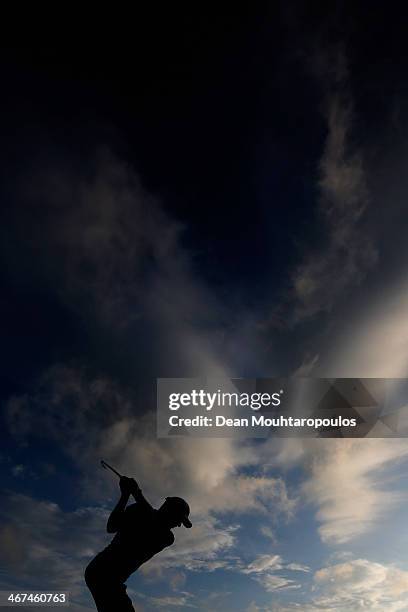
(140,537)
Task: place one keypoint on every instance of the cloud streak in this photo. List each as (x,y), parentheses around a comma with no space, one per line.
(347,485)
(348,252)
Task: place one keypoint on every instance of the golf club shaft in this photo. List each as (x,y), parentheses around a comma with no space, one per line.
(107,466)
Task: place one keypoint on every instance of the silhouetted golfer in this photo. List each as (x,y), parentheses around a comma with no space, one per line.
(141,532)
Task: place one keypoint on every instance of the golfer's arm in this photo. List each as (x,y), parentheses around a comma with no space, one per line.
(140,498)
(116,515)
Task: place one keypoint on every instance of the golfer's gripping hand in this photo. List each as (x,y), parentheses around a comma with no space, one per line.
(128,486)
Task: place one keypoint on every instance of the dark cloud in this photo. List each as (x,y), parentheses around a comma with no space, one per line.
(45,547)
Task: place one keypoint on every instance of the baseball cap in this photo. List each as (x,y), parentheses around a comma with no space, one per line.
(181,508)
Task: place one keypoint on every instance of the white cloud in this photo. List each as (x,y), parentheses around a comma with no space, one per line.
(353,586)
(346,480)
(298,567)
(362,584)
(346,483)
(264,570)
(272,583)
(263,563)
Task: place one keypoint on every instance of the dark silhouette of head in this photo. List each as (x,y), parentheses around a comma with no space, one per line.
(175,512)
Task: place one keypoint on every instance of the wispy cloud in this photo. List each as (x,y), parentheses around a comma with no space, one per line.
(350,587)
(326,274)
(347,485)
(361,583)
(267,570)
(345,252)
(347,481)
(272,583)
(263,563)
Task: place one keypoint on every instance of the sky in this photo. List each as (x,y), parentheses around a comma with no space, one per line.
(222,196)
